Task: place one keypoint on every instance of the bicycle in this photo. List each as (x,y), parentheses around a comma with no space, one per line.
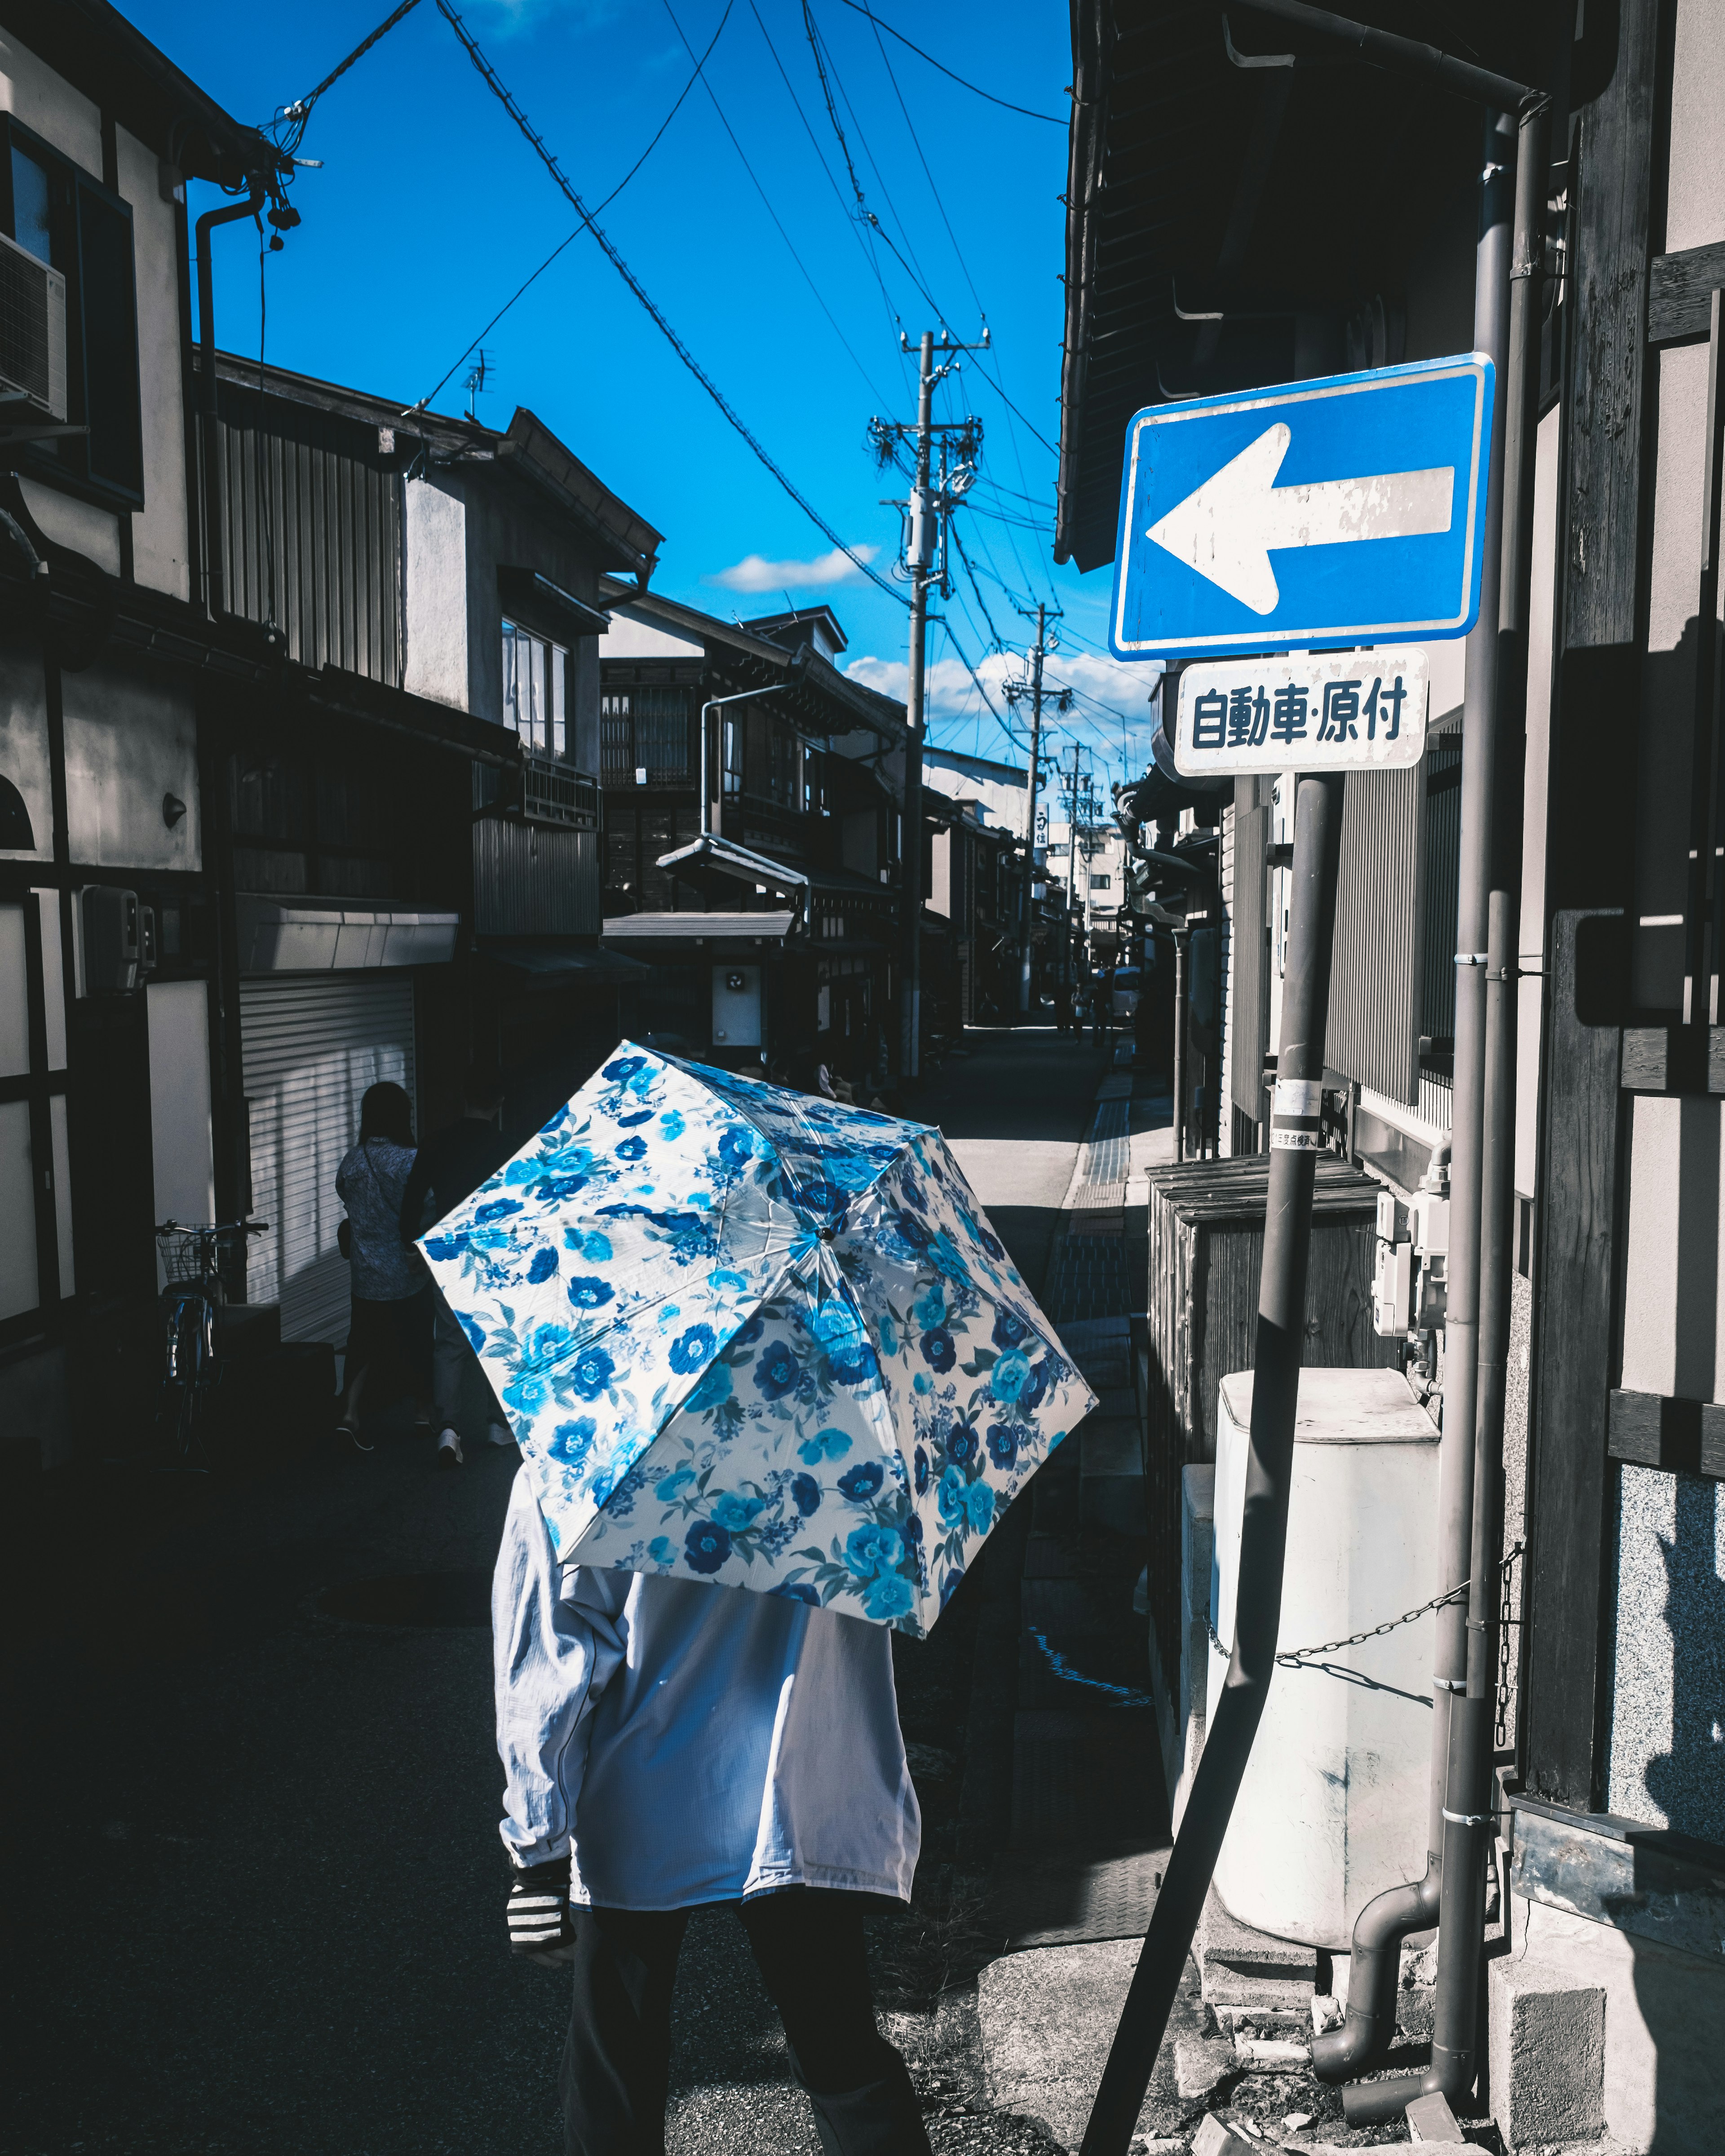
(191,1254)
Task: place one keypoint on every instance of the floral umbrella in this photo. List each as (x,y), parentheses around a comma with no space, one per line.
(755,1339)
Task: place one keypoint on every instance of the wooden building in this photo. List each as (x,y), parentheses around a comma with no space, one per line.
(1250,203)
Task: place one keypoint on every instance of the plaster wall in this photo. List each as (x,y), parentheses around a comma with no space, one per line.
(434,541)
(628,637)
(128,743)
(1673,1282)
(1695,210)
(1665,752)
(1667,1731)
(160,539)
(24,748)
(1664,2010)
(48,106)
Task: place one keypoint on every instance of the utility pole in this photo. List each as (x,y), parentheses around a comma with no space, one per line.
(929,505)
(1030,690)
(921,557)
(1036,658)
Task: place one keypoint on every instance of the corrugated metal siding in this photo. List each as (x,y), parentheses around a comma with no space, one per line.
(1373,1033)
(1249,1001)
(311,534)
(528,881)
(309,1048)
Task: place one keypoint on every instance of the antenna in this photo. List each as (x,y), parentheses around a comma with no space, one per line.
(480,376)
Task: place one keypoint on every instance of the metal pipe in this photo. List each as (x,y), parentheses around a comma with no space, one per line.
(1182,937)
(1467,1815)
(1295,1139)
(1386,1921)
(215,596)
(1402,55)
(1463,1815)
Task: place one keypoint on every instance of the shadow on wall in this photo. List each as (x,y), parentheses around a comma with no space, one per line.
(1679,1520)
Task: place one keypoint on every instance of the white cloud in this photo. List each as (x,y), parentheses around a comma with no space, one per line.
(755,573)
(1106,688)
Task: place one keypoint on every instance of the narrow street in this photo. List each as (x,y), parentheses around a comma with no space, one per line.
(251,1819)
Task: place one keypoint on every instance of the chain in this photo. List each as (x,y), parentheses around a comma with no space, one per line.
(1506,1624)
(1295,1656)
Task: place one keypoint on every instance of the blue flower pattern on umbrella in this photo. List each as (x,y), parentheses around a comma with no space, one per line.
(786,1352)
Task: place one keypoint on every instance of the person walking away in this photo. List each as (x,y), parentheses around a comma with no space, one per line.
(389,1335)
(450,1166)
(1063,1003)
(670,1747)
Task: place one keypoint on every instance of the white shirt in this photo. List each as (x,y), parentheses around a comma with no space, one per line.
(690,1743)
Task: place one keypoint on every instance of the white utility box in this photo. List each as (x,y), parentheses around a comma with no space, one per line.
(1333,1806)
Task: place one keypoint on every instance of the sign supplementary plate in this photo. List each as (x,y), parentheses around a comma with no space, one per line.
(1331,711)
(1347,510)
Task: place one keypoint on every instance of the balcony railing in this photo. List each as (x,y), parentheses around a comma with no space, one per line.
(553,792)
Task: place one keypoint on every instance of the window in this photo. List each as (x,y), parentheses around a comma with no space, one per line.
(782,774)
(644,736)
(535,677)
(1100,883)
(61,215)
(732,769)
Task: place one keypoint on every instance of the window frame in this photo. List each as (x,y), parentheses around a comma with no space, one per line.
(66,463)
(556,684)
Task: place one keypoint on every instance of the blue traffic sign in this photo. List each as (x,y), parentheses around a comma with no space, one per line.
(1336,512)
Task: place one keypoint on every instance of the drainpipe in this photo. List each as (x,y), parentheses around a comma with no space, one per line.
(1374,1966)
(215,596)
(1182,937)
(1466,1813)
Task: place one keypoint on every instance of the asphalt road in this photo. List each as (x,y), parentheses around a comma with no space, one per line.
(249,1831)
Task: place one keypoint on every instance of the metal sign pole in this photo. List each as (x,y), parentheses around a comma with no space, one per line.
(1295,1140)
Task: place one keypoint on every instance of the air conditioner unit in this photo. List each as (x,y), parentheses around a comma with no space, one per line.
(33,332)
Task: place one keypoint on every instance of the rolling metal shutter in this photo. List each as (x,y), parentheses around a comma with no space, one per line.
(310,1048)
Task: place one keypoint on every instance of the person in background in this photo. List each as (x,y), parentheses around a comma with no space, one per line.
(450,1166)
(668,1746)
(389,1337)
(1063,1002)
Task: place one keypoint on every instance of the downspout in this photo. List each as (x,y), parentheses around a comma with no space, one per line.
(1374,1967)
(1466,1816)
(214,595)
(1182,937)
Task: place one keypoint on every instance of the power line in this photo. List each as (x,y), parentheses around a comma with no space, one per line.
(768,204)
(610,198)
(1005,103)
(864,245)
(296,115)
(499,89)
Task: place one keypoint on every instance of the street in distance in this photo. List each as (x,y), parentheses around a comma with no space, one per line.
(1348,511)
(1339,710)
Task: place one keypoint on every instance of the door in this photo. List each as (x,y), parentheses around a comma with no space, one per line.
(310,1047)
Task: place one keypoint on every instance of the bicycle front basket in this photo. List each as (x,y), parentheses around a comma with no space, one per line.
(182,1258)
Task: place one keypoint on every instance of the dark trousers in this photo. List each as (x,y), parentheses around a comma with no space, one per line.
(808,1944)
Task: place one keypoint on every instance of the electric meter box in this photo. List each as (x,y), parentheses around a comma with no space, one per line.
(113,948)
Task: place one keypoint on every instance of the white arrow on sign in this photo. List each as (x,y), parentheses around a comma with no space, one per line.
(1225,528)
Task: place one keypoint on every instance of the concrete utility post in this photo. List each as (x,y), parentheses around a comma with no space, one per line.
(922,559)
(931,501)
(1036,658)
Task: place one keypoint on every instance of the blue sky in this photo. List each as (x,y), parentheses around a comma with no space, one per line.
(430,209)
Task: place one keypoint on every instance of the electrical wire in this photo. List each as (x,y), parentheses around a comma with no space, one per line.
(864,244)
(1052,119)
(494,83)
(767,203)
(528,283)
(293,117)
